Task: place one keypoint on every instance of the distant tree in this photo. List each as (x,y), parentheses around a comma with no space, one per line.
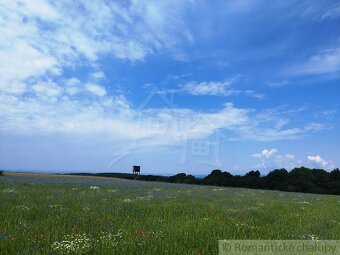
(214,178)
(321,180)
(335,175)
(277,179)
(227,179)
(254,174)
(179,178)
(335,181)
(1,172)
(190,179)
(216,172)
(301,180)
(252,180)
(183,178)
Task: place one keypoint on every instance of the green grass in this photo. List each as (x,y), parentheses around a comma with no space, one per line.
(38,216)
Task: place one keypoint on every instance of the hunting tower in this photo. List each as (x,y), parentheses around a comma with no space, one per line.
(135,172)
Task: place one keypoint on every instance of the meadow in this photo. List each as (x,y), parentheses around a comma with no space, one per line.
(50,214)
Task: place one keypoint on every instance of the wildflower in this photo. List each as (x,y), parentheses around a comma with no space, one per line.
(304,202)
(73,244)
(111,238)
(55,206)
(94,187)
(41,236)
(9,190)
(139,232)
(23,207)
(13,238)
(157,235)
(314,238)
(97,222)
(127,200)
(243,217)
(74,228)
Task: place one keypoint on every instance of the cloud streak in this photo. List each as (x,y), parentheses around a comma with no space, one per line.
(324,62)
(222,88)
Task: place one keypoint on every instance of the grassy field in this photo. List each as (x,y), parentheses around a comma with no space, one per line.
(47,214)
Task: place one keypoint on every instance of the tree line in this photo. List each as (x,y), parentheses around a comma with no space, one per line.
(299,179)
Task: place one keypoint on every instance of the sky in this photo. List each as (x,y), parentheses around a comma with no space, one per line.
(173,86)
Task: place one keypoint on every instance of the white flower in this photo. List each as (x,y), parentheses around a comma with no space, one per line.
(23,207)
(73,244)
(314,238)
(9,190)
(127,200)
(94,187)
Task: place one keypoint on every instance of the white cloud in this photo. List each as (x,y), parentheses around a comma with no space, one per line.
(324,62)
(72,86)
(209,88)
(265,153)
(113,116)
(252,93)
(215,88)
(20,63)
(53,109)
(49,89)
(317,159)
(96,89)
(42,38)
(268,125)
(97,75)
(270,159)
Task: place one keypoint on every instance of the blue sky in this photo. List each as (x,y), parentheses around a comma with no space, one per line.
(175,86)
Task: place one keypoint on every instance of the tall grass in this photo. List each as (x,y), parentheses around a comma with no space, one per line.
(119,218)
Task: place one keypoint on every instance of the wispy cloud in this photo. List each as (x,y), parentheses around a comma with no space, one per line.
(324,62)
(222,88)
(215,88)
(54,108)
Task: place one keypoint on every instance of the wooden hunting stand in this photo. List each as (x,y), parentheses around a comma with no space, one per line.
(135,172)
